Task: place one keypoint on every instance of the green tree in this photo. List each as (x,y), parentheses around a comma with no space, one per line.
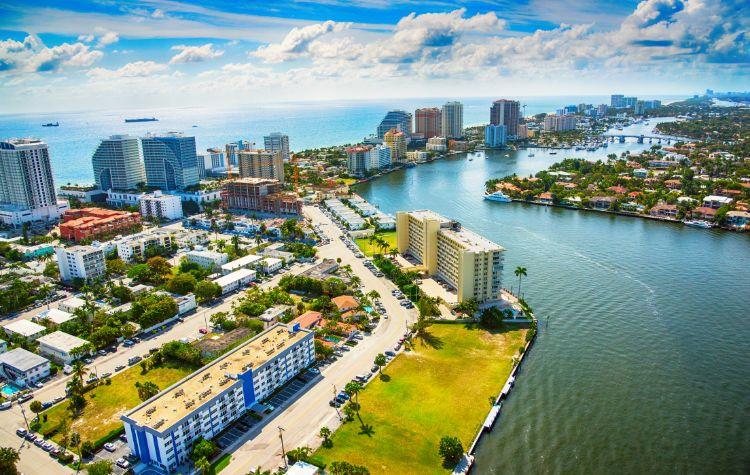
(181,284)
(300,453)
(116,267)
(380,361)
(451,450)
(9,457)
(203,465)
(36,408)
(206,291)
(520,273)
(325,434)
(75,442)
(203,448)
(146,390)
(102,467)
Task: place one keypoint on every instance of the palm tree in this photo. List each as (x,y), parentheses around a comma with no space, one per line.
(203,465)
(79,370)
(520,273)
(259,471)
(75,442)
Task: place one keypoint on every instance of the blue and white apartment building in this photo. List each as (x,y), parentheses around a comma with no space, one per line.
(163,429)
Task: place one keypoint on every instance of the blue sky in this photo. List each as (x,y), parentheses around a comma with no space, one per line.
(80,55)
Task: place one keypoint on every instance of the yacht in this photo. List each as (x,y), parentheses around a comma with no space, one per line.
(698,223)
(497,196)
(531,154)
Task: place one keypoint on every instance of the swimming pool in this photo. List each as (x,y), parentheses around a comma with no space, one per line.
(332,339)
(10,389)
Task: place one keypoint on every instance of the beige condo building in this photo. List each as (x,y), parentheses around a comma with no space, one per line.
(261,164)
(470,263)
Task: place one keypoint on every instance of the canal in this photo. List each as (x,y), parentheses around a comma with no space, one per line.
(643,360)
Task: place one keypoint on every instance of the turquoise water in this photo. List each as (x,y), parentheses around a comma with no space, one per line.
(10,389)
(332,339)
(643,360)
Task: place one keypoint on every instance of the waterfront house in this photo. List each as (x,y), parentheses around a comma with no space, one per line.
(715,201)
(663,210)
(602,202)
(738,219)
(662,163)
(544,198)
(620,190)
(566,185)
(673,184)
(505,186)
(704,212)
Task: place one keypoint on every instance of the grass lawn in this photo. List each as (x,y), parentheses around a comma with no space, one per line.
(370,249)
(348,181)
(105,403)
(221,463)
(432,392)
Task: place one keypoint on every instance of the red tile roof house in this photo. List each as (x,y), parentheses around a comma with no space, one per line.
(664,210)
(620,190)
(345,303)
(704,212)
(673,184)
(545,198)
(308,320)
(346,330)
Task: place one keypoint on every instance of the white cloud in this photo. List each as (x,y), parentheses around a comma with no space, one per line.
(130,70)
(32,55)
(107,38)
(297,42)
(195,54)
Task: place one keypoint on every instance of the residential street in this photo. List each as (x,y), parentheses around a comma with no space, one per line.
(304,417)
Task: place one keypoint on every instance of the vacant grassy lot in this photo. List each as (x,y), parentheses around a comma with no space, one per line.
(433,391)
(370,249)
(106,403)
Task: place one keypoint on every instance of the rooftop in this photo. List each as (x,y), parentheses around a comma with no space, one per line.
(182,398)
(241,262)
(24,328)
(470,240)
(428,214)
(308,319)
(236,275)
(62,341)
(21,359)
(57,316)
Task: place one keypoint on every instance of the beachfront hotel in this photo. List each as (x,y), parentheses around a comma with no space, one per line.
(162,430)
(470,263)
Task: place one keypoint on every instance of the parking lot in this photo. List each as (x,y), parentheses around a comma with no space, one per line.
(121,450)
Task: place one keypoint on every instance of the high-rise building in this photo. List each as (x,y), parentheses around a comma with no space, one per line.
(494,136)
(452,120)
(118,163)
(380,157)
(602,109)
(560,123)
(428,122)
(630,101)
(27,189)
(396,141)
(437,144)
(170,161)
(470,263)
(161,206)
(277,142)
(396,119)
(506,112)
(162,431)
(80,262)
(617,101)
(261,164)
(232,148)
(217,157)
(358,160)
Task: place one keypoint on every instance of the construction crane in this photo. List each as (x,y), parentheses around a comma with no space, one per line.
(295,164)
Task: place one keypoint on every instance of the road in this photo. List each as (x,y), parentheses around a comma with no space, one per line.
(33,459)
(303,418)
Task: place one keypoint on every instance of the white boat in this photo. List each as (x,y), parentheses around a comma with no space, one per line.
(698,223)
(497,196)
(531,154)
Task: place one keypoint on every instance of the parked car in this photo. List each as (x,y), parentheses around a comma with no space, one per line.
(58,399)
(120,367)
(39,442)
(6,405)
(54,453)
(106,375)
(110,447)
(21,432)
(134,360)
(102,352)
(39,385)
(47,446)
(30,436)
(47,404)
(127,343)
(25,397)
(122,463)
(390,353)
(203,331)
(88,360)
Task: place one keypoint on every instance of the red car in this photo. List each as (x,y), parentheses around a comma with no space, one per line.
(203,331)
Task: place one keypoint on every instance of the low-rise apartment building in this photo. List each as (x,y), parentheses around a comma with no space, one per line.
(23,367)
(90,223)
(133,247)
(207,259)
(80,262)
(259,194)
(235,280)
(470,263)
(25,329)
(60,345)
(162,430)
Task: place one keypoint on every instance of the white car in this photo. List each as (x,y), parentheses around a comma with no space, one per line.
(110,447)
(122,463)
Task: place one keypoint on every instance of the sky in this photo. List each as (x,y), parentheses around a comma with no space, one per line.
(86,55)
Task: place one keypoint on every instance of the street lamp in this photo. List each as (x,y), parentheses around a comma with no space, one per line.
(283,452)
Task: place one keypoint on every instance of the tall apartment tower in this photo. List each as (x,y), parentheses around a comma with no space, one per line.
(26,183)
(452,124)
(506,112)
(261,164)
(277,142)
(118,163)
(395,140)
(398,119)
(170,161)
(428,122)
